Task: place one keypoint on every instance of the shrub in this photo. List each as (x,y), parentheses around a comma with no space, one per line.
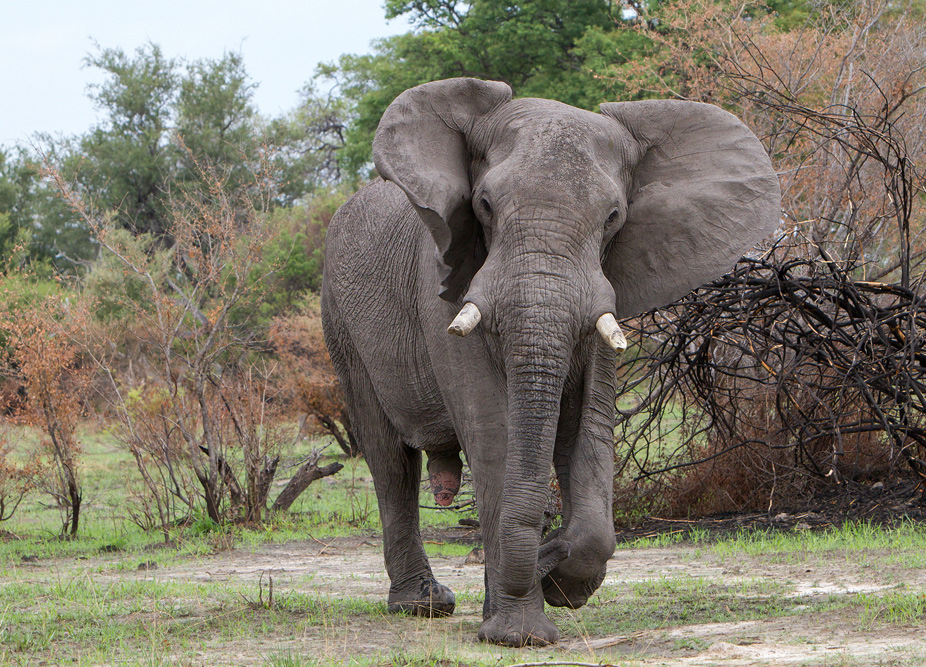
(42,355)
(202,412)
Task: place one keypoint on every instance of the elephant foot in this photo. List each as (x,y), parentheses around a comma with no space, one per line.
(428,599)
(570,582)
(519,629)
(444,473)
(559,592)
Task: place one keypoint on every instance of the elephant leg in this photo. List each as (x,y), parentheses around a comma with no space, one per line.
(396,471)
(413,588)
(584,461)
(507,620)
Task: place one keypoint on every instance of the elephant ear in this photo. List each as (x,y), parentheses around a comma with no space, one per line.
(420,145)
(703,193)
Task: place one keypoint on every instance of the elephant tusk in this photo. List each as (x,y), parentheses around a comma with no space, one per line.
(465,321)
(610,330)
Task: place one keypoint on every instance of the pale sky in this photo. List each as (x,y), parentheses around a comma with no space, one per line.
(43,43)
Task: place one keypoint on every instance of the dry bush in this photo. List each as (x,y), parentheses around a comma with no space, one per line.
(199,413)
(308,378)
(803,366)
(42,355)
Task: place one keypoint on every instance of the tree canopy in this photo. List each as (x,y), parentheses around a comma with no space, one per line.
(541,48)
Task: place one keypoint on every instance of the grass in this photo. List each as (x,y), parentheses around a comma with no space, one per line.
(337,506)
(104,617)
(670,602)
(896,608)
(85,601)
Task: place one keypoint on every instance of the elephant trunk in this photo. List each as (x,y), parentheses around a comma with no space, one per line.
(537,360)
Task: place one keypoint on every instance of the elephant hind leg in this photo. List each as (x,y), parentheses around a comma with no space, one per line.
(396,471)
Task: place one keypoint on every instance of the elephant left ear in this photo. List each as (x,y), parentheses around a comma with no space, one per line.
(703,193)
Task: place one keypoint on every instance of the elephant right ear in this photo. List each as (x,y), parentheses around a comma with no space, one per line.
(703,193)
(420,145)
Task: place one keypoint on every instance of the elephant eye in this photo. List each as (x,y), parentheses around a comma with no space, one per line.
(484,203)
(613,216)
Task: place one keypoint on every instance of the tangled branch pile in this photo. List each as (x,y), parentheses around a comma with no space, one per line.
(802,370)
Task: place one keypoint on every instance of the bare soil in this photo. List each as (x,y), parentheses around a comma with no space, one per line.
(352,569)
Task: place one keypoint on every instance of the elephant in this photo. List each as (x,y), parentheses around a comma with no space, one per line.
(528,228)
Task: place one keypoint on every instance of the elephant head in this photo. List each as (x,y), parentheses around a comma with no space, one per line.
(548,220)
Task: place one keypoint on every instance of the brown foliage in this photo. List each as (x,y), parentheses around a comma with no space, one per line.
(308,378)
(42,355)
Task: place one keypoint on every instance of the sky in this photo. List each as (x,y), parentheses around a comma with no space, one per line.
(43,83)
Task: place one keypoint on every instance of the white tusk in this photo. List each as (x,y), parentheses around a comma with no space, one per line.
(465,321)
(610,330)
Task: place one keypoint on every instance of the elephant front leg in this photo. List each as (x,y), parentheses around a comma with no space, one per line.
(510,618)
(584,461)
(396,471)
(413,588)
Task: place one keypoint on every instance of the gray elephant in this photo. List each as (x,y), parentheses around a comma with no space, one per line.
(529,225)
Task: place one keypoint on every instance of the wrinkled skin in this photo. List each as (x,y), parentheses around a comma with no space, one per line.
(545,217)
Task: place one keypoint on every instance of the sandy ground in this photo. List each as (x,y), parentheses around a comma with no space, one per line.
(353,568)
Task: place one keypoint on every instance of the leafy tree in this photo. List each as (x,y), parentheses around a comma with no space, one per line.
(541,48)
(215,115)
(161,116)
(8,199)
(123,162)
(305,144)
(29,217)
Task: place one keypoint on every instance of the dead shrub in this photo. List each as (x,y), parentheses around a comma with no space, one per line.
(42,356)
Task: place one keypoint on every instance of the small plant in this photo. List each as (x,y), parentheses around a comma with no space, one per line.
(42,354)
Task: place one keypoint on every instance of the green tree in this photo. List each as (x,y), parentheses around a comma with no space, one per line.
(161,117)
(124,162)
(305,144)
(541,48)
(8,200)
(29,216)
(216,116)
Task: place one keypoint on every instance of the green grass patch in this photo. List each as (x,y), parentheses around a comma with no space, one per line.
(899,544)
(107,618)
(669,602)
(447,549)
(895,608)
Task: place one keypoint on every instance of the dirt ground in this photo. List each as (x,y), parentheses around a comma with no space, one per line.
(352,568)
